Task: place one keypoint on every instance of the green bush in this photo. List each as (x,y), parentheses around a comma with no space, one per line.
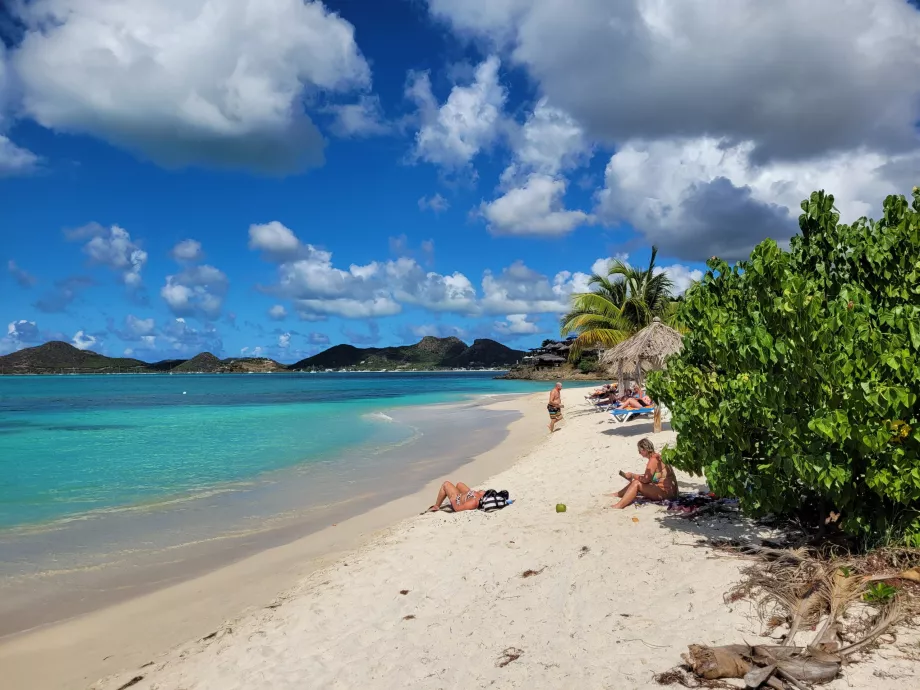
(797,387)
(587,365)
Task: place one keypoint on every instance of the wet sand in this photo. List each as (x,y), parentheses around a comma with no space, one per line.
(94,614)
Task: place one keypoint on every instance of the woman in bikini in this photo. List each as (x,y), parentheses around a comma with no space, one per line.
(461,497)
(637,402)
(657,483)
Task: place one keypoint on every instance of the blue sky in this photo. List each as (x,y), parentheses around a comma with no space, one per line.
(270,178)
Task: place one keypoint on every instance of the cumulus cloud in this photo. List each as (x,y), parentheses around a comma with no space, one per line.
(519,289)
(19,334)
(20,275)
(316,338)
(438,330)
(14,160)
(275,241)
(647,69)
(713,155)
(113,247)
(682,276)
(435,203)
(549,143)
(187,250)
(284,341)
(182,338)
(516,324)
(471,120)
(277,312)
(361,119)
(137,330)
(535,208)
(188,82)
(707,196)
(196,291)
(83,341)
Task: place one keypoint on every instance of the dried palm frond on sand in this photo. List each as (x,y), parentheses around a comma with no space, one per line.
(848,600)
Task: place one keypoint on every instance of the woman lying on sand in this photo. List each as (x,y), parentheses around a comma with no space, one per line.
(656,483)
(461,497)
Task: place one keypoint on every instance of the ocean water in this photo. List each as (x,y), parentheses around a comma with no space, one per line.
(72,446)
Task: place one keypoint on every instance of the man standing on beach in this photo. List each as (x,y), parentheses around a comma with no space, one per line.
(555,406)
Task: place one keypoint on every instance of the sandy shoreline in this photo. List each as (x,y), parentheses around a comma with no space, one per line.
(76,652)
(436,601)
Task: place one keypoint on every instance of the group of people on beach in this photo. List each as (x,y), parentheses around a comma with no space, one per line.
(656,483)
(632,398)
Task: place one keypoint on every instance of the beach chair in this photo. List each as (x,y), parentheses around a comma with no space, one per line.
(623,416)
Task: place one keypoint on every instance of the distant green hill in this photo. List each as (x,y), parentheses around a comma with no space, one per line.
(428,353)
(57,356)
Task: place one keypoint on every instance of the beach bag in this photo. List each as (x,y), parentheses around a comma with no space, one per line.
(493,500)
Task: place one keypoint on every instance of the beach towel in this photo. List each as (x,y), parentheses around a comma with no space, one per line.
(493,500)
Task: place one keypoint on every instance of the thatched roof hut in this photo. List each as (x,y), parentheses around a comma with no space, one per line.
(647,350)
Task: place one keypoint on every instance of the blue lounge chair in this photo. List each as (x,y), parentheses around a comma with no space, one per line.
(623,416)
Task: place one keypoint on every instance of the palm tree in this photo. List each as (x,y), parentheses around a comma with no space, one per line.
(618,305)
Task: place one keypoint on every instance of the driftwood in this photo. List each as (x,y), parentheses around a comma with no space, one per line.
(812,590)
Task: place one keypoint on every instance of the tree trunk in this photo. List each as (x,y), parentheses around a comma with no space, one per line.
(656,428)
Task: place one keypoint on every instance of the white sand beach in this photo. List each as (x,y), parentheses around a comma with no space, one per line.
(442,600)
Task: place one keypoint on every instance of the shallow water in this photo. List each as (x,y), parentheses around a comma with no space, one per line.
(70,445)
(116,485)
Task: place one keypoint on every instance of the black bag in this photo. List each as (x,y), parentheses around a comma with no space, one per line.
(493,500)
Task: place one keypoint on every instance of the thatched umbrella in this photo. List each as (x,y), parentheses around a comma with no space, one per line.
(647,350)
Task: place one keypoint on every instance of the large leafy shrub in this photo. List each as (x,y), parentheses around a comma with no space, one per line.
(797,387)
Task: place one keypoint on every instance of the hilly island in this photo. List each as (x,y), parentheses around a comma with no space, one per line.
(429,353)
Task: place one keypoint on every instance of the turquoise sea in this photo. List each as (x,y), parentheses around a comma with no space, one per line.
(114,485)
(75,444)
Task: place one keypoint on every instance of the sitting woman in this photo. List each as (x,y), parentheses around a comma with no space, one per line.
(461,497)
(657,483)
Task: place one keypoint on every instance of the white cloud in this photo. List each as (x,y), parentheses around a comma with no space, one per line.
(128,352)
(15,160)
(471,119)
(361,119)
(548,143)
(277,312)
(435,202)
(707,196)
(275,240)
(348,308)
(536,208)
(651,69)
(196,291)
(19,334)
(521,290)
(113,247)
(179,336)
(83,341)
(137,329)
(187,250)
(187,82)
(717,141)
(411,284)
(284,341)
(682,276)
(516,324)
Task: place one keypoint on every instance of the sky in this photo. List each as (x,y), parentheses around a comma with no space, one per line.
(269,177)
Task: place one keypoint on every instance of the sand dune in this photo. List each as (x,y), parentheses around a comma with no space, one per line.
(522,598)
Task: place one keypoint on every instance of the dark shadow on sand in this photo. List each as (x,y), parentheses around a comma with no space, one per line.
(635,428)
